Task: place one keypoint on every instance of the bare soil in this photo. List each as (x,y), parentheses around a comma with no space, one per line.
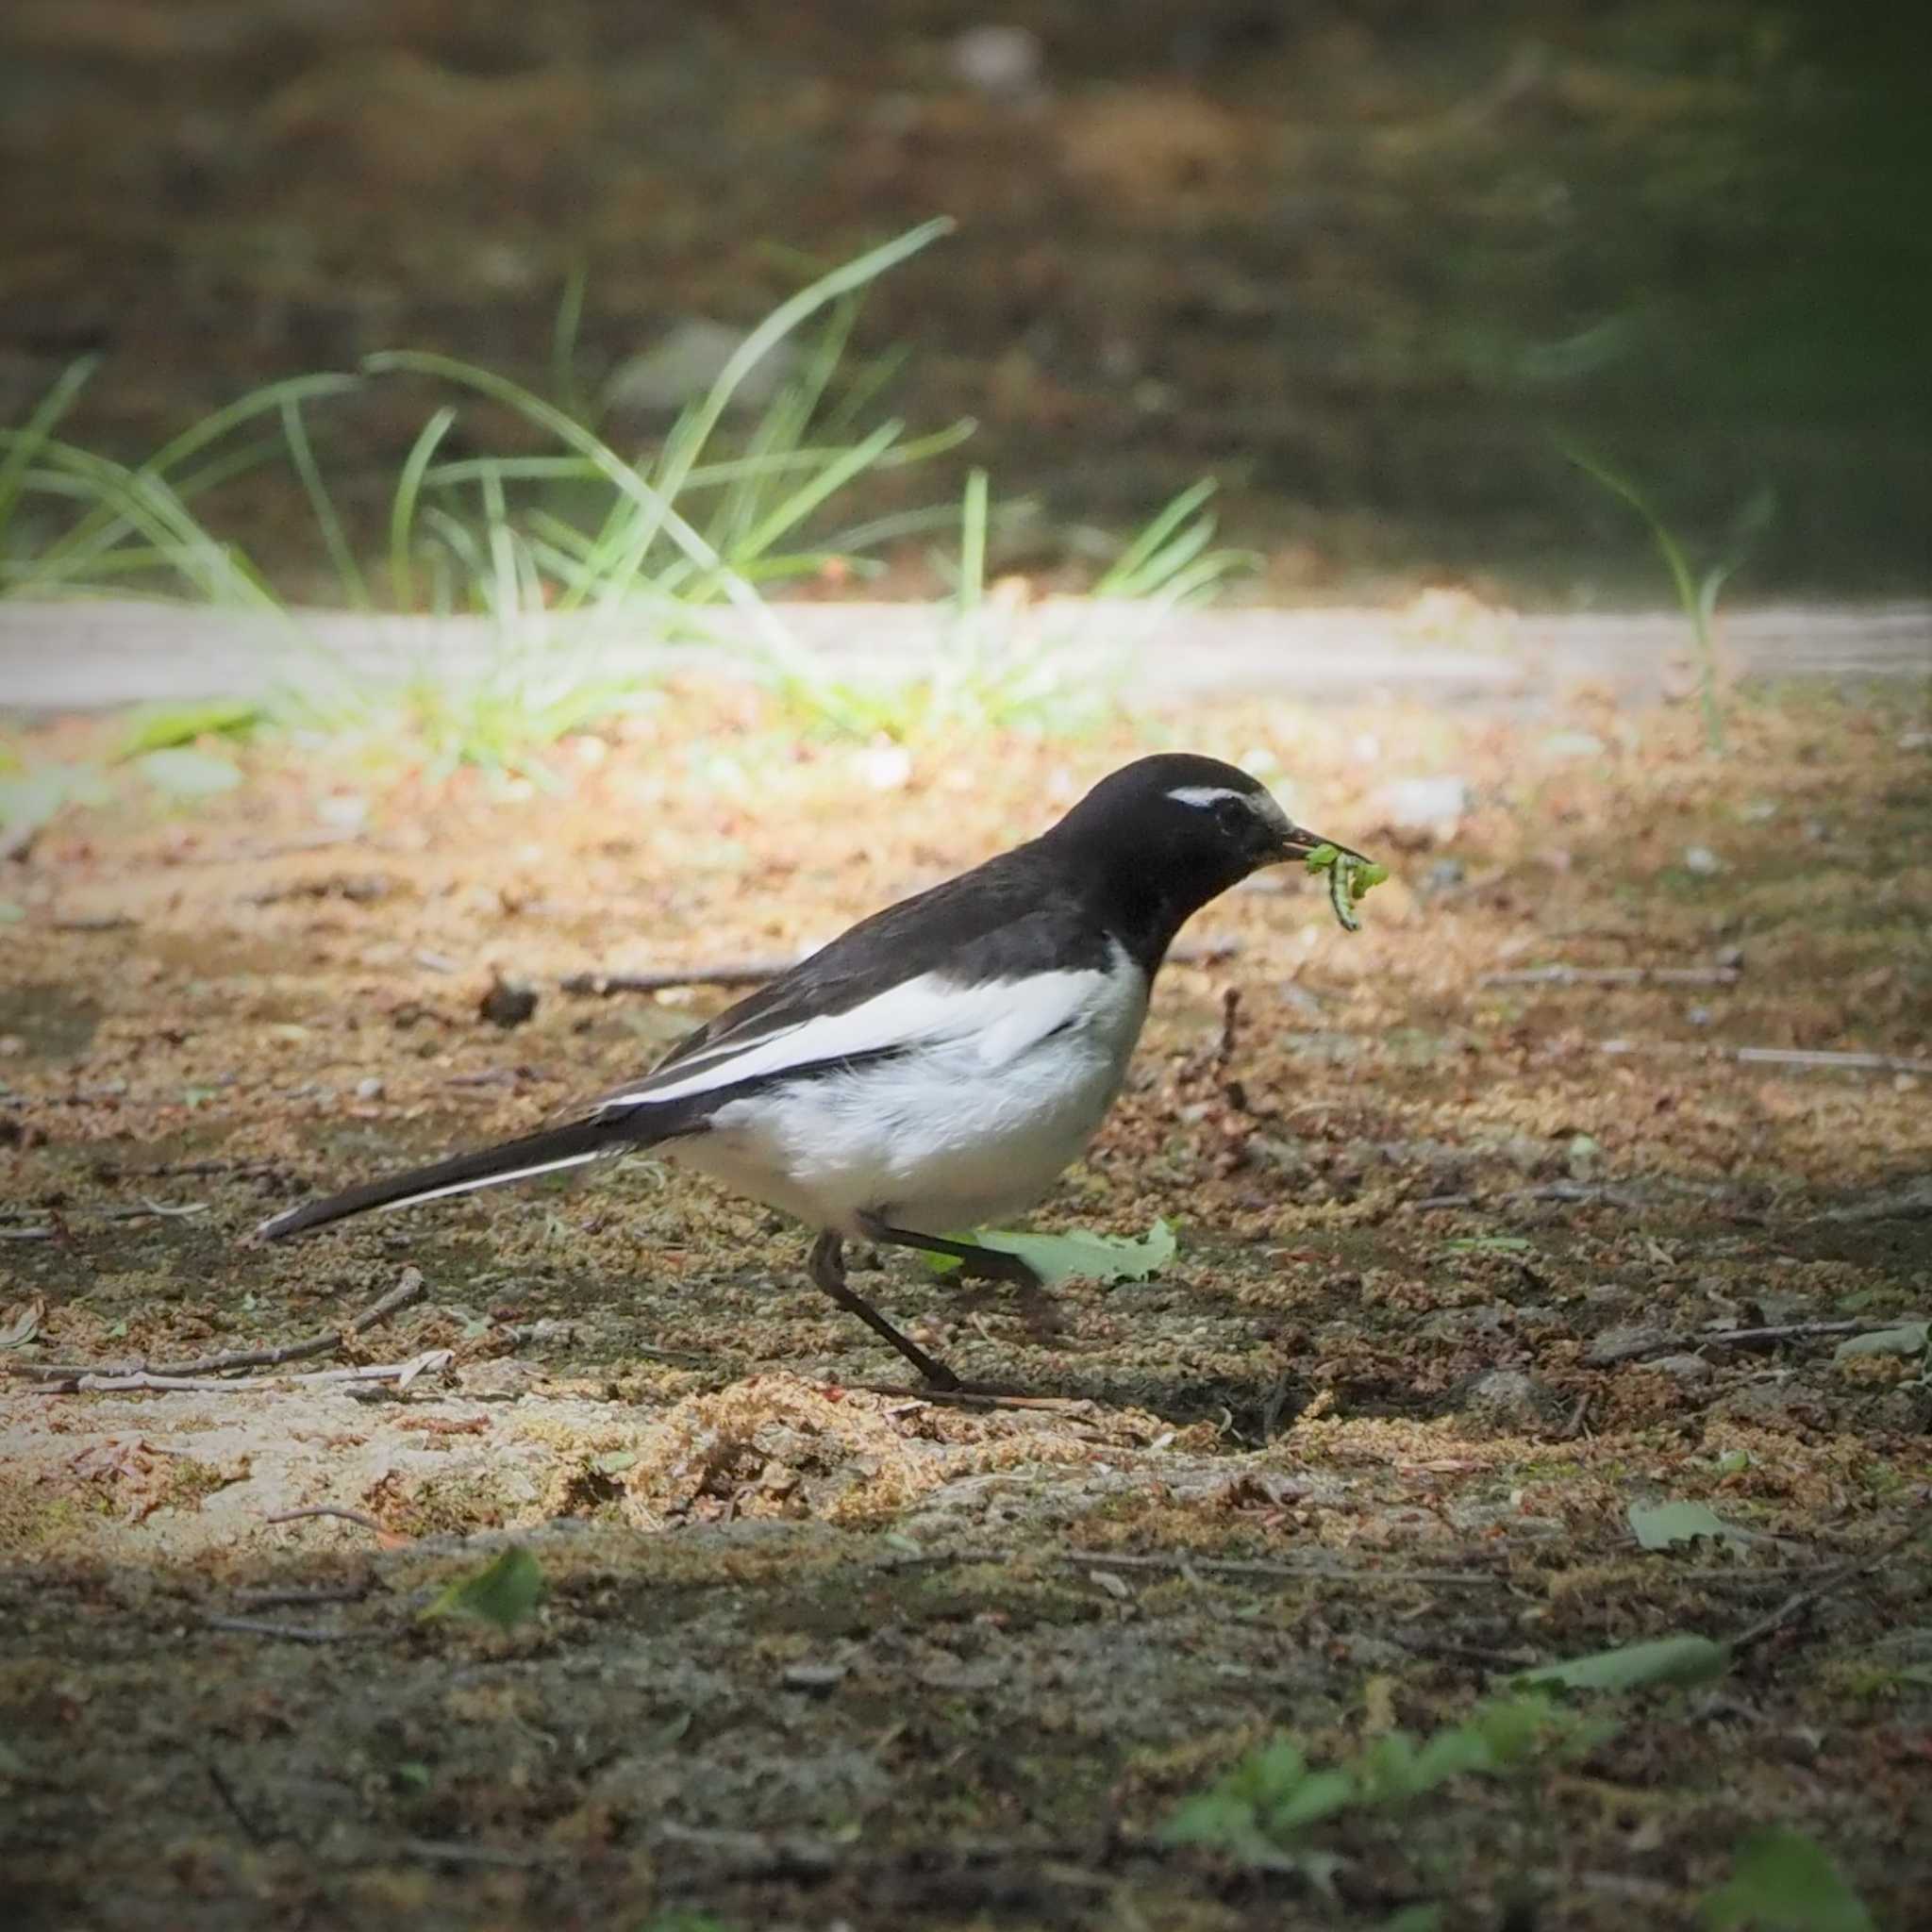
(1451,1296)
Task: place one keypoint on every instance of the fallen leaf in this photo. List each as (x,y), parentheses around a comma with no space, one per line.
(161,728)
(1056,1257)
(1663,1525)
(1785,1882)
(23,1322)
(186,773)
(504,1592)
(1908,1338)
(1630,1667)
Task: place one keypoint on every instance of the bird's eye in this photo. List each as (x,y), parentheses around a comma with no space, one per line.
(1231,814)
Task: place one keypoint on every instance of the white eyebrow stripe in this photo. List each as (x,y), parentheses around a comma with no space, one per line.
(1206,794)
(1264,805)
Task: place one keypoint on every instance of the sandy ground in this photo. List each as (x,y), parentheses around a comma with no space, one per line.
(1453,1292)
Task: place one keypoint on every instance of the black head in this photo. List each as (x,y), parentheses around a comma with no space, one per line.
(1161,837)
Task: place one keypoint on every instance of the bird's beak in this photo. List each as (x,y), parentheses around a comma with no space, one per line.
(1300,841)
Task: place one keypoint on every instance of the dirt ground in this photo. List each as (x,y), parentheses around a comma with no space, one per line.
(1452,1294)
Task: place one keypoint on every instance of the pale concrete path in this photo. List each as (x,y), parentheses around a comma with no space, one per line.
(84,655)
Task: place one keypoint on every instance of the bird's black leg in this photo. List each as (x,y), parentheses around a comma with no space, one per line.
(828,1267)
(976,1263)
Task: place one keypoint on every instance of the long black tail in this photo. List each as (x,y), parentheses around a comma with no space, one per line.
(544,1152)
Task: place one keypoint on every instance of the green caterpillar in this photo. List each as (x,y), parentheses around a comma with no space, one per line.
(1349,878)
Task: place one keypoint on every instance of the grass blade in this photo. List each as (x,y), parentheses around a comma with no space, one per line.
(402,514)
(1135,557)
(1690,599)
(26,442)
(301,455)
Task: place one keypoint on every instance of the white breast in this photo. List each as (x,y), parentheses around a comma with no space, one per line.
(969,1125)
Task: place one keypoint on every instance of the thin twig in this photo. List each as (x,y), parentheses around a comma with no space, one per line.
(1615,1193)
(1791,1331)
(1774,1056)
(734,972)
(1800,1601)
(1636,1349)
(407,1290)
(201,1170)
(293,1597)
(972,1397)
(158,1209)
(232,1804)
(1324,1572)
(449,1852)
(431,1361)
(358,1517)
(1912,1201)
(754,1851)
(147,1209)
(94,922)
(295,1633)
(1615,975)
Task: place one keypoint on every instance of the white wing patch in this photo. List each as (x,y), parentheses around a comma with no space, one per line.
(1004,1016)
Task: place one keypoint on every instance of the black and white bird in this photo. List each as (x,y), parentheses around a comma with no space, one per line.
(938,1064)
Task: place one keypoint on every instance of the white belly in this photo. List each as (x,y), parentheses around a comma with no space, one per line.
(938,1142)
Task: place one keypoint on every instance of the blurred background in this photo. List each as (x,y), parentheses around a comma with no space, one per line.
(1368,263)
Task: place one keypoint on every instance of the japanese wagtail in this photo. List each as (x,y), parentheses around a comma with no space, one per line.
(938,1065)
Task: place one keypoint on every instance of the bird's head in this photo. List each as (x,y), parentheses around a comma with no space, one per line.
(1185,828)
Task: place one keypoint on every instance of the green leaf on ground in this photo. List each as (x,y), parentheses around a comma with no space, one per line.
(1663,1525)
(1056,1257)
(161,728)
(1784,1882)
(29,799)
(504,1592)
(1632,1666)
(186,773)
(1908,1338)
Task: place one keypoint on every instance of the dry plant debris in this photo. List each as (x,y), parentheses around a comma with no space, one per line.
(1456,1290)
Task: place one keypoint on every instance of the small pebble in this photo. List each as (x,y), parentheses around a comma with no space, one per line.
(369,1088)
(1509,1395)
(1626,1343)
(1435,803)
(885,767)
(1686,1368)
(820,1679)
(507,1004)
(1702,861)
(1006,63)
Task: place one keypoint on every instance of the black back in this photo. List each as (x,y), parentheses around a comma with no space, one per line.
(1126,864)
